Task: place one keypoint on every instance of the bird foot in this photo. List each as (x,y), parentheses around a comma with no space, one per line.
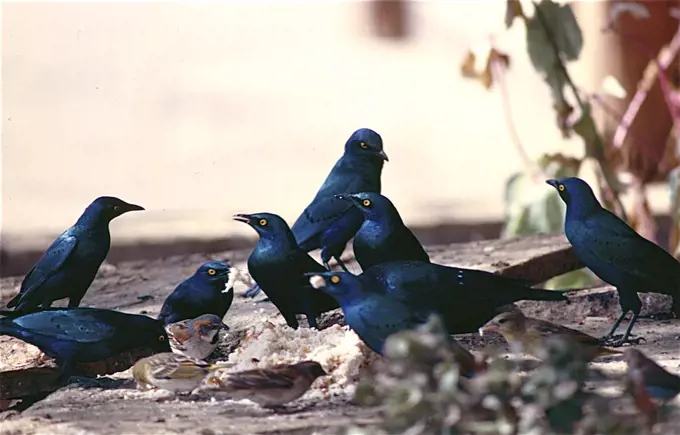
(618,341)
(263,300)
(252,291)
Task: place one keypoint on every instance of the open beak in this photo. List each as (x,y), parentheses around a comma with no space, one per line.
(245,218)
(383,155)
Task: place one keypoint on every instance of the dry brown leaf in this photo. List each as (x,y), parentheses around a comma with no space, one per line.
(478,64)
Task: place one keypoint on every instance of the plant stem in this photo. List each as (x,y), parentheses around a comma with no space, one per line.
(606,171)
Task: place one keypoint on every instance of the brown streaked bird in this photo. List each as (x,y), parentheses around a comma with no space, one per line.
(172,372)
(528,334)
(271,387)
(645,373)
(195,338)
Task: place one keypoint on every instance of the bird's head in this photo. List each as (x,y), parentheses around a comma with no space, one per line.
(342,286)
(268,226)
(366,143)
(310,369)
(576,193)
(373,205)
(217,273)
(634,358)
(109,207)
(511,322)
(207,326)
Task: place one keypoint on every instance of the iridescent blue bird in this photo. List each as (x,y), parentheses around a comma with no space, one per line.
(616,253)
(383,237)
(210,290)
(399,295)
(70,264)
(278,266)
(329,223)
(81,335)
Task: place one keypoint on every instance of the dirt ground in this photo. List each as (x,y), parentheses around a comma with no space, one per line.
(140,287)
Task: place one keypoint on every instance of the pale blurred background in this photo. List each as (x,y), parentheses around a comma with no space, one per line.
(198,112)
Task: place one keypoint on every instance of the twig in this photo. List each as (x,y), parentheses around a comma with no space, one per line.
(606,108)
(662,63)
(601,159)
(499,78)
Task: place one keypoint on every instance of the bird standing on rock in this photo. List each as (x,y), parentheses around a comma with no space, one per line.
(329,223)
(529,335)
(616,253)
(81,335)
(278,265)
(390,297)
(195,338)
(210,290)
(383,237)
(70,264)
(271,387)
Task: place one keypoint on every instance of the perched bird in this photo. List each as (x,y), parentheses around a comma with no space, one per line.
(529,335)
(616,253)
(329,223)
(172,372)
(278,265)
(80,335)
(208,291)
(657,382)
(195,338)
(383,237)
(391,297)
(272,387)
(70,264)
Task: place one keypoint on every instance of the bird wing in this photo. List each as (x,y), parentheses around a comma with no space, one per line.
(613,242)
(382,317)
(261,379)
(325,208)
(50,263)
(178,333)
(177,368)
(64,325)
(654,374)
(545,329)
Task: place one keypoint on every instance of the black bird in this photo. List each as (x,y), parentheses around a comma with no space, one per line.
(208,291)
(70,264)
(278,265)
(465,298)
(616,253)
(81,335)
(329,223)
(383,237)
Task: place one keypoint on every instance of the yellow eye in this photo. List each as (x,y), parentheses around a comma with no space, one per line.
(366,202)
(560,187)
(363,145)
(335,279)
(211,272)
(161,338)
(263,222)
(116,207)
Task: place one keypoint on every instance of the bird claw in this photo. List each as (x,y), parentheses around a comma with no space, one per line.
(618,341)
(252,291)
(263,300)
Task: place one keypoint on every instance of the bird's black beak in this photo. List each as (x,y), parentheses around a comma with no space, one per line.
(133,207)
(552,182)
(245,218)
(224,326)
(383,155)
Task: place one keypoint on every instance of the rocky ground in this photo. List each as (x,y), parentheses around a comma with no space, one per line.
(140,287)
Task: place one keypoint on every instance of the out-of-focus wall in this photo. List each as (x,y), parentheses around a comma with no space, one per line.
(201,111)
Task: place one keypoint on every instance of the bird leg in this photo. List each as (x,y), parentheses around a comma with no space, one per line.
(609,339)
(252,291)
(342,264)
